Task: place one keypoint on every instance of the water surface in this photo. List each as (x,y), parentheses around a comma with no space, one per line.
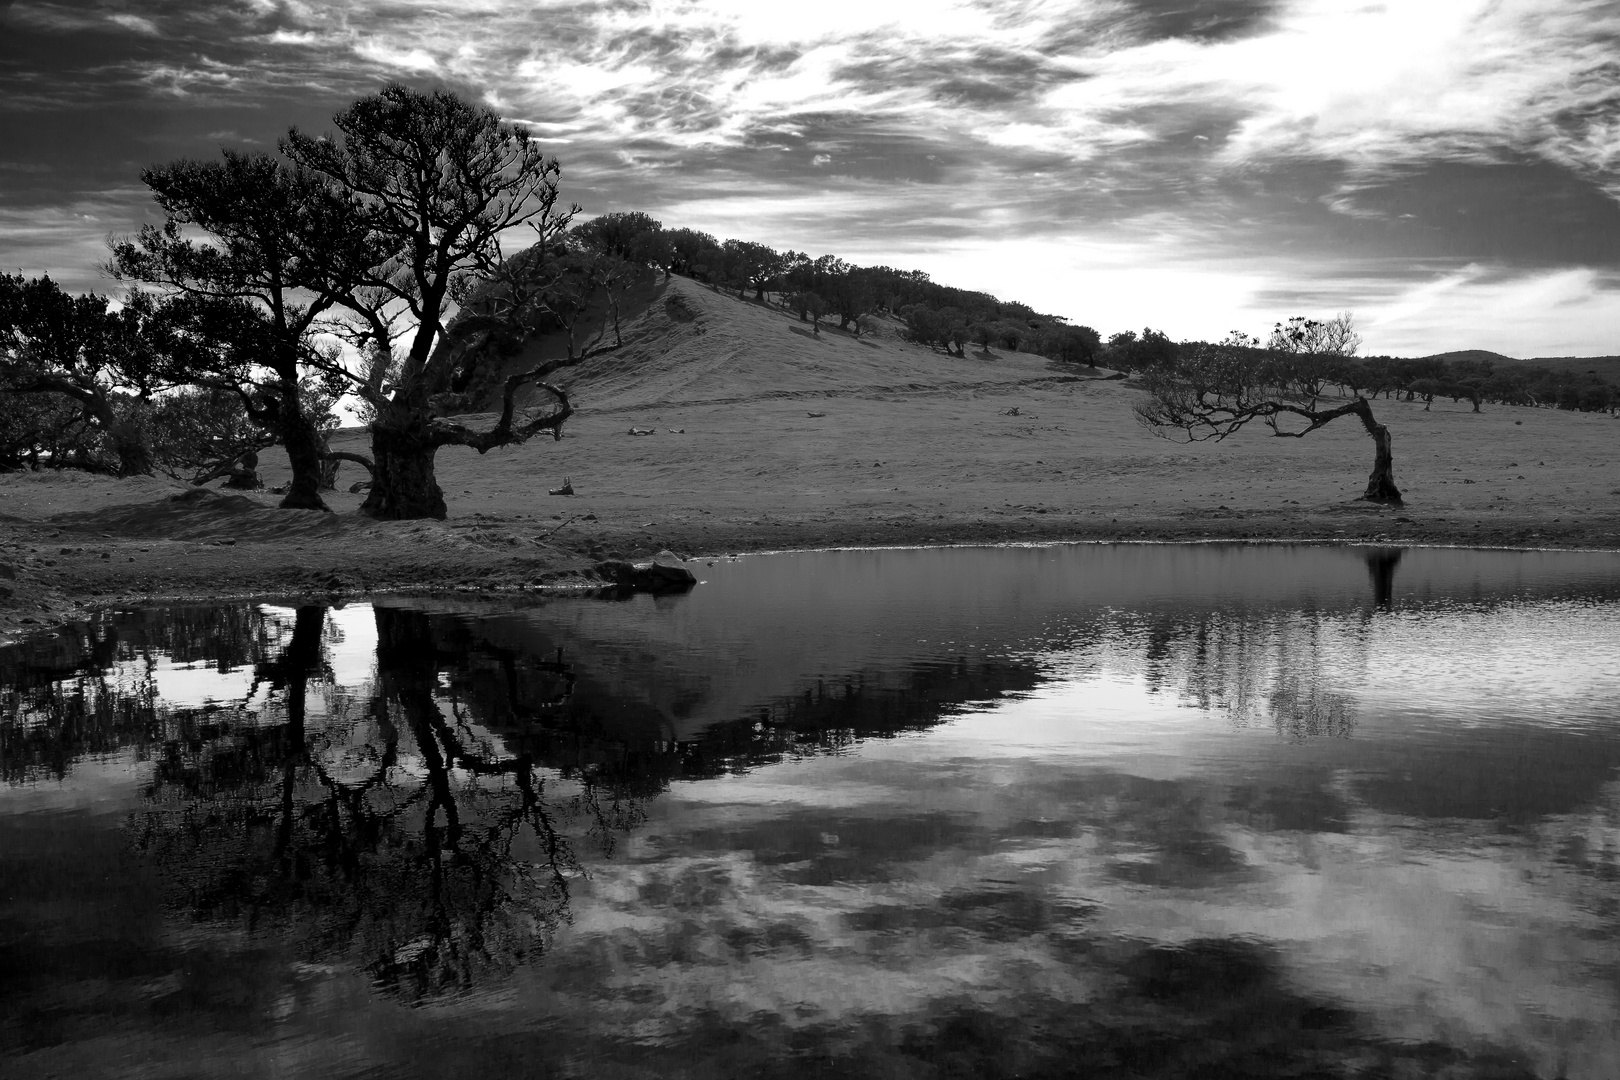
(1098,810)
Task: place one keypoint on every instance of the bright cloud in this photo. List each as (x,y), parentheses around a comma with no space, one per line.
(1122,162)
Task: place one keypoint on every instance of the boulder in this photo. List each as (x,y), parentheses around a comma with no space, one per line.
(665,573)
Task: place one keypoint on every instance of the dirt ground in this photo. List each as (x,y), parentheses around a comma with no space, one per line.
(767,436)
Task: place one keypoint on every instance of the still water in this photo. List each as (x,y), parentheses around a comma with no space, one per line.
(1134,811)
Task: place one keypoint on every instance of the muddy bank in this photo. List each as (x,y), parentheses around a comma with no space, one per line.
(206,545)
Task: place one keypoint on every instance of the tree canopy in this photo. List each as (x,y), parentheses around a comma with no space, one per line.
(436,183)
(108,360)
(283,245)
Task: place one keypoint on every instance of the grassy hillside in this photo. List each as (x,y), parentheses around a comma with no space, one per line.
(767,435)
(686,343)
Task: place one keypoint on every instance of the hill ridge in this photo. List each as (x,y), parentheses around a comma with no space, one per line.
(689,344)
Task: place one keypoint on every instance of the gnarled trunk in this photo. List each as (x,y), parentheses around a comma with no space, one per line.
(304,453)
(403,484)
(1381,483)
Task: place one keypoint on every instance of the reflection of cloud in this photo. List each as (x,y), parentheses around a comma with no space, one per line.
(1042,865)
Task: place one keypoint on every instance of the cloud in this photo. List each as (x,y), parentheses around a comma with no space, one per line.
(1550,313)
(417,60)
(135,23)
(1332,135)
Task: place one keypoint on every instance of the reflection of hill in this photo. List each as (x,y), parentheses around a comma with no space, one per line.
(765,629)
(542,698)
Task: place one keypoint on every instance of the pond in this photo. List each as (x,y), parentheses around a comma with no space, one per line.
(1095,810)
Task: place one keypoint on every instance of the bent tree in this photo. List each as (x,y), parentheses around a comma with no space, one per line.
(435,183)
(1214,391)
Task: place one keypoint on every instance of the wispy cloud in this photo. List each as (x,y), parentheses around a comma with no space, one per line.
(1332,135)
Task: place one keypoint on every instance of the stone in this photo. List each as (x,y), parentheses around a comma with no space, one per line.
(662,574)
(8,571)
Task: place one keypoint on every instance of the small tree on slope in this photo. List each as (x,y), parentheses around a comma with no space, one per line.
(1216,390)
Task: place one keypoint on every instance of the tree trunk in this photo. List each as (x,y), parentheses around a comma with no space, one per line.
(245,473)
(303,446)
(129,441)
(403,484)
(1381,483)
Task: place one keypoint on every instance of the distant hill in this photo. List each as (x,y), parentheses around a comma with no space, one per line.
(1474,355)
(1605,367)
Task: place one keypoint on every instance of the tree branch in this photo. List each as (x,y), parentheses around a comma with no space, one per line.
(358,459)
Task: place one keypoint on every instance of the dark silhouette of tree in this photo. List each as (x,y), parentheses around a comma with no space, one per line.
(850,294)
(748,265)
(941,328)
(109,363)
(691,252)
(812,305)
(1128,352)
(1214,391)
(1069,344)
(279,241)
(435,182)
(45,429)
(628,234)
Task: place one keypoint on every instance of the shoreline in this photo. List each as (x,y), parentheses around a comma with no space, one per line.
(65,573)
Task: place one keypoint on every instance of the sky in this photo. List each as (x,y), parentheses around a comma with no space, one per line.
(1447,170)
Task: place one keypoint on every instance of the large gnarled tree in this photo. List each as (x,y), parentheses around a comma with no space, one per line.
(279,242)
(1214,391)
(436,184)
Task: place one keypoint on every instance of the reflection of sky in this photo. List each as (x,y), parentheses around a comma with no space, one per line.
(1443,930)
(351,645)
(1407,865)
(349,650)
(1440,859)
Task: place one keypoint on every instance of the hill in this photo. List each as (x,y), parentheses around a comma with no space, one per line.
(1471,356)
(753,433)
(688,344)
(1605,367)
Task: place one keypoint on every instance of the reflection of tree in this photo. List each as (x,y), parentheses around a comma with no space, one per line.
(393,830)
(426,824)
(88,689)
(1261,668)
(1381,564)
